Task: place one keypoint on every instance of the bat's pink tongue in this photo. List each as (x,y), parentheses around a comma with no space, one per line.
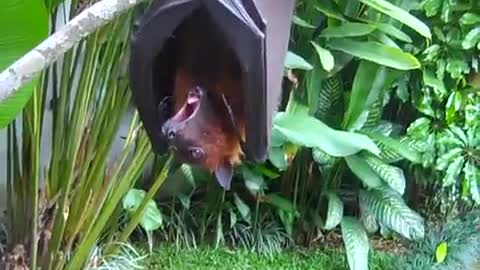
(192,99)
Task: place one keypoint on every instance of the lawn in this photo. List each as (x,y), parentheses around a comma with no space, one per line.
(167,257)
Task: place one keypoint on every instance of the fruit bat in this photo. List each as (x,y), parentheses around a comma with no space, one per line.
(206,78)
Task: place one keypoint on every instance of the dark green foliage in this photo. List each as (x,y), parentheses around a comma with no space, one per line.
(462,236)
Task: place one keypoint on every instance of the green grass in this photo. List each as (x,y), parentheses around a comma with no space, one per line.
(167,257)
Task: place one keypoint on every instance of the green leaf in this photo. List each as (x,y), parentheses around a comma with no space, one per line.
(441,252)
(389,208)
(330,9)
(281,203)
(400,15)
(348,29)
(293,61)
(453,171)
(395,145)
(23,25)
(431,80)
(233,217)
(432,7)
(471,39)
(277,157)
(305,130)
(326,57)
(253,181)
(446,159)
(392,175)
(152,218)
(470,18)
(356,243)
(361,169)
(367,84)
(242,208)
(471,173)
(322,158)
(368,220)
(393,31)
(302,23)
(419,128)
(334,211)
(287,219)
(457,67)
(328,97)
(187,172)
(184,200)
(376,52)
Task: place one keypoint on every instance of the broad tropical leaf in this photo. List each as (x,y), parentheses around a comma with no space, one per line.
(392,31)
(294,61)
(360,168)
(349,29)
(329,96)
(453,171)
(334,211)
(374,113)
(356,243)
(395,145)
(152,218)
(389,208)
(376,52)
(305,130)
(302,23)
(23,25)
(471,177)
(253,181)
(325,56)
(277,157)
(392,175)
(322,158)
(400,15)
(368,219)
(368,82)
(330,9)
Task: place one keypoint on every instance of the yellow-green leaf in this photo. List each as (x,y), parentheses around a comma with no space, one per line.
(441,252)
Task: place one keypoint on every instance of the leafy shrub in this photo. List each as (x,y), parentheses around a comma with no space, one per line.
(445,94)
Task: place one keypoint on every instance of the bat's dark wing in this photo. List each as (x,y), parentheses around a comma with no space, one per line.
(257,30)
(244,29)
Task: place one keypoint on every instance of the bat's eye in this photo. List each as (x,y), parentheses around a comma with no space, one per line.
(196,153)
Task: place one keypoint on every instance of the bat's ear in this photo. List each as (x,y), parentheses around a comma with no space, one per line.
(224,175)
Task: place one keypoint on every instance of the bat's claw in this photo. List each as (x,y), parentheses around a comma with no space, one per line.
(165,107)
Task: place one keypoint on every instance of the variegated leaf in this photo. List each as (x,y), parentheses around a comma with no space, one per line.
(356,243)
(390,210)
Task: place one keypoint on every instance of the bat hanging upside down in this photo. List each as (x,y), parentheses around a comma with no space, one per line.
(208,122)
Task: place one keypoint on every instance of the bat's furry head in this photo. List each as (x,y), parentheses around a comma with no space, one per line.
(202,133)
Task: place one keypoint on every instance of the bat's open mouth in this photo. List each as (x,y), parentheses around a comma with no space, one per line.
(190,107)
